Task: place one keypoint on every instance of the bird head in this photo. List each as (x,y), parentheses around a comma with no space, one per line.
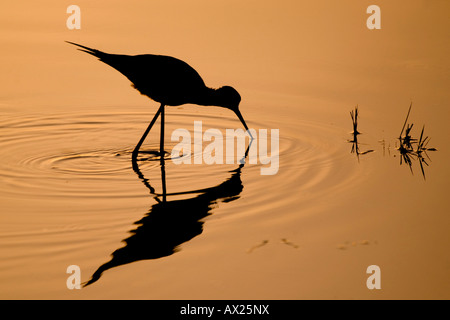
(230,99)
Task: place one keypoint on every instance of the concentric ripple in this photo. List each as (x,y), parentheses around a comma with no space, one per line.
(71,155)
(89,155)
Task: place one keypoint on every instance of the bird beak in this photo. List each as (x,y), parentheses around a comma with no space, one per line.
(238,113)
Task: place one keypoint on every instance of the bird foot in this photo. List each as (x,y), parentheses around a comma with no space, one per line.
(151,155)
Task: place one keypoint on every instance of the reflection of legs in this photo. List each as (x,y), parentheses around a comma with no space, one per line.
(147,183)
(138,146)
(163,179)
(161,137)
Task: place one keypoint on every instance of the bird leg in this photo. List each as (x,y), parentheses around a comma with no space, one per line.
(161,152)
(138,146)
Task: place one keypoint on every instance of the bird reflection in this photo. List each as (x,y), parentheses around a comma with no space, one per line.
(168,224)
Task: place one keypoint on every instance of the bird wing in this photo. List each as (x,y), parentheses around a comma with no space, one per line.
(164,79)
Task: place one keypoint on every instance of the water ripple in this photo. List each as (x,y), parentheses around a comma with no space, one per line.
(88,155)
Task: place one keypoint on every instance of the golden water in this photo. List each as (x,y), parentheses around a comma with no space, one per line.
(70,195)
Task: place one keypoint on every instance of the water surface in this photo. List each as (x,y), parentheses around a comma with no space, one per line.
(71,196)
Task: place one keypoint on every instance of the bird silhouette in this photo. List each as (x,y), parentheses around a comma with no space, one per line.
(169,81)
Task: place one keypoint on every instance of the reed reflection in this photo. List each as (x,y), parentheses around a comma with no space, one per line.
(410,148)
(355,133)
(170,223)
(413,149)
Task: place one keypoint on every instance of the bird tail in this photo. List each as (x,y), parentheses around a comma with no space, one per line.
(96,53)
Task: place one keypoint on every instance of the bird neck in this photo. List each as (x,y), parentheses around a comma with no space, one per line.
(209,97)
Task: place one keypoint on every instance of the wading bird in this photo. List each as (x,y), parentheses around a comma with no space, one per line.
(169,81)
